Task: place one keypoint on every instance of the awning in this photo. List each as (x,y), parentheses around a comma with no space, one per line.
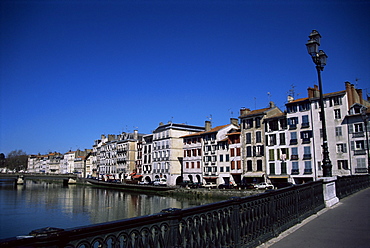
(278,176)
(137,176)
(254,174)
(132,174)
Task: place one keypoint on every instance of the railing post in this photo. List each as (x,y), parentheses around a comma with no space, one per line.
(329,191)
(173,239)
(235,222)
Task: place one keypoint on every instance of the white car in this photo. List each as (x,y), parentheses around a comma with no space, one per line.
(210,185)
(264,186)
(160,182)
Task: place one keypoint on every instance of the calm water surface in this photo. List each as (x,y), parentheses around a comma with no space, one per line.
(37,204)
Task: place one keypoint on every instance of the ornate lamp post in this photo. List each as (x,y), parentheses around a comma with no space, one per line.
(365,119)
(319,58)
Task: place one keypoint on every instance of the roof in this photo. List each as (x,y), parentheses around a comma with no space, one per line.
(255,112)
(213,130)
(278,115)
(325,95)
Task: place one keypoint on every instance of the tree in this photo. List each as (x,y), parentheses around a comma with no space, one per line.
(17,160)
(2,160)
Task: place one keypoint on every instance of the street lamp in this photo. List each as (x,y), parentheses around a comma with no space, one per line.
(319,58)
(365,119)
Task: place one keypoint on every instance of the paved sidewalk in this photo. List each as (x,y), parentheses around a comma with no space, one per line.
(346,224)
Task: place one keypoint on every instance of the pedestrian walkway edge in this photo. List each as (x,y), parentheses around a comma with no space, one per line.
(296,227)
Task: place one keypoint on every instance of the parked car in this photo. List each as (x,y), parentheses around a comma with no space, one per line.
(210,185)
(160,182)
(283,185)
(264,185)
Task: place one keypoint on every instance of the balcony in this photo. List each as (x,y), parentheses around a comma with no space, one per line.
(292,127)
(293,142)
(307,171)
(295,172)
(306,141)
(305,125)
(360,152)
(360,170)
(294,157)
(306,156)
(358,135)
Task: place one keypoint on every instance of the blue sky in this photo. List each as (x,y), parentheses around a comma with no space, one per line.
(73,70)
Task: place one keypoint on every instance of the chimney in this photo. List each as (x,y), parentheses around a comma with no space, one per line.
(359,92)
(135,134)
(290,98)
(208,125)
(272,104)
(234,121)
(349,93)
(244,111)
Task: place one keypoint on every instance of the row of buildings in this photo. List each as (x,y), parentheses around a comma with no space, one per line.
(266,144)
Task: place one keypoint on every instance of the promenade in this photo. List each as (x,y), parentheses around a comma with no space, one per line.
(346,224)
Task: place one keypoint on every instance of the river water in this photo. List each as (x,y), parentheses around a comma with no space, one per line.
(38,204)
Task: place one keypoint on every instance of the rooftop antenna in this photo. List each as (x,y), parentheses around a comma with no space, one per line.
(269,96)
(209,118)
(255,103)
(231,112)
(357,79)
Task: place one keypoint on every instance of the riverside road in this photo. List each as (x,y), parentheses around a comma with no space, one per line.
(346,224)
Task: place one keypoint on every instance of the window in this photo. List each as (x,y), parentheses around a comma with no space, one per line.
(341,148)
(259,165)
(295,170)
(249,165)
(258,122)
(336,101)
(307,152)
(361,166)
(338,131)
(272,169)
(282,138)
(358,128)
(304,107)
(272,139)
(221,158)
(192,165)
(307,167)
(337,114)
(238,151)
(306,136)
(294,153)
(238,164)
(249,151)
(198,164)
(248,138)
(292,122)
(248,123)
(227,158)
(292,108)
(342,164)
(221,169)
(233,165)
(293,138)
(258,137)
(271,155)
(232,152)
(305,122)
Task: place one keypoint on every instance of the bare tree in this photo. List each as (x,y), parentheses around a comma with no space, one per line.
(17,160)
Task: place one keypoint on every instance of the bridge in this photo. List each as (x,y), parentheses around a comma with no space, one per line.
(19,178)
(239,222)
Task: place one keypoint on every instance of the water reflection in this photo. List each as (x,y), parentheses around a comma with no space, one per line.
(39,204)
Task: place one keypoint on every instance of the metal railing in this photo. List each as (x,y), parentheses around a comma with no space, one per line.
(238,222)
(347,185)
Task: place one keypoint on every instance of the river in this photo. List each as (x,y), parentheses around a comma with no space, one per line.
(39,204)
